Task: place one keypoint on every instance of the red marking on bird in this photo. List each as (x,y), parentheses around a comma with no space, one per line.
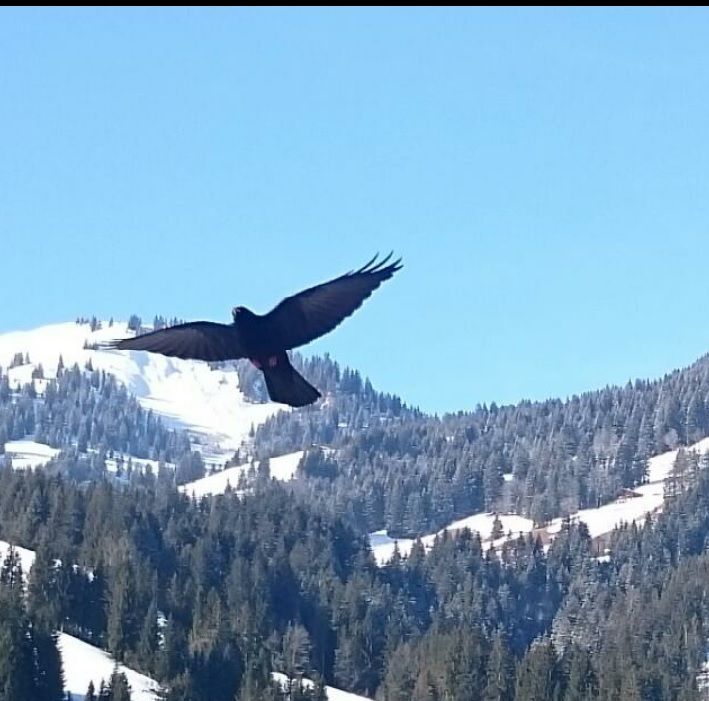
(273,361)
(255,363)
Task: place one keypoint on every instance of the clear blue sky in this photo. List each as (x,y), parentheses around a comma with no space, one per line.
(544,173)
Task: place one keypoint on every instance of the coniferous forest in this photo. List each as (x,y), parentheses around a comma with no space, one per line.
(211,596)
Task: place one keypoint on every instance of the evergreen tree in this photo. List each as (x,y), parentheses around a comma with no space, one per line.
(538,678)
(581,684)
(118,687)
(17,670)
(148,643)
(48,674)
(498,530)
(500,672)
(121,614)
(90,693)
(295,652)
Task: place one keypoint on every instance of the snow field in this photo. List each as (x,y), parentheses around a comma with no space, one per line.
(647,499)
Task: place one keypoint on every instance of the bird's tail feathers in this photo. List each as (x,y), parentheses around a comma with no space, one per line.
(286,385)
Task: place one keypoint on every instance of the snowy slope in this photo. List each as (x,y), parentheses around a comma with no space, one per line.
(332,693)
(84,663)
(29,454)
(626,510)
(121,460)
(282,468)
(604,519)
(187,394)
(383,546)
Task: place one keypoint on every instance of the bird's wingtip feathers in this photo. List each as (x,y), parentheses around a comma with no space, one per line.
(108,345)
(380,267)
(114,344)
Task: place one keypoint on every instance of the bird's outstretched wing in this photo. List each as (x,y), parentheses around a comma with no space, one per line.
(198,340)
(313,312)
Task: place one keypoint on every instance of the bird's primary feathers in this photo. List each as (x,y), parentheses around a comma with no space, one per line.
(264,339)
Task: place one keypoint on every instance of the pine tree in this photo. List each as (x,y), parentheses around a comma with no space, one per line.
(104,692)
(90,693)
(17,669)
(398,683)
(581,684)
(11,572)
(258,686)
(295,651)
(118,687)
(48,676)
(44,598)
(121,621)
(498,530)
(174,652)
(537,679)
(148,641)
(500,672)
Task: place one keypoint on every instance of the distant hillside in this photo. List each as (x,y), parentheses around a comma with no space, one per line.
(390,466)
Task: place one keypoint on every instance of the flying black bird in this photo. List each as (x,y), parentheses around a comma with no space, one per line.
(264,339)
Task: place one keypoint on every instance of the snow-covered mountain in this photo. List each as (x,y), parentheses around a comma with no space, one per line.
(210,406)
(186,394)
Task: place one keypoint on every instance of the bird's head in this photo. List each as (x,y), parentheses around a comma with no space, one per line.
(240,313)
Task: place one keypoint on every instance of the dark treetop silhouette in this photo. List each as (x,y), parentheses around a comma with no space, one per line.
(264,339)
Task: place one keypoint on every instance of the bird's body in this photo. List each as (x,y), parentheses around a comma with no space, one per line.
(264,339)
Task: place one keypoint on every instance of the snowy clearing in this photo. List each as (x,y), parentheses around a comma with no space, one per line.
(29,454)
(383,546)
(332,693)
(283,468)
(628,509)
(141,464)
(648,499)
(84,663)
